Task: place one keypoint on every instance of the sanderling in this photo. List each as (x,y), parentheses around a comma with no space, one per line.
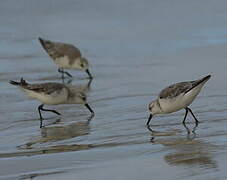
(176,97)
(65,56)
(52,94)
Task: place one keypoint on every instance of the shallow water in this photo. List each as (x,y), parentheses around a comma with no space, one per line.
(136,48)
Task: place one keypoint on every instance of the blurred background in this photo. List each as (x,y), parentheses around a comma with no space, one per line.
(135,48)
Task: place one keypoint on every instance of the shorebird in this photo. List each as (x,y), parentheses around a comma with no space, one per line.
(66,56)
(177,96)
(52,94)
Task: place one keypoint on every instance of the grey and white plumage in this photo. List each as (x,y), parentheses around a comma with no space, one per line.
(52,93)
(177,96)
(65,56)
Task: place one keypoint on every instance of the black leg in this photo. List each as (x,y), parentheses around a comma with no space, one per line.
(196,120)
(40,115)
(89,83)
(149,119)
(89,108)
(40,108)
(50,110)
(186,113)
(68,74)
(89,74)
(62,72)
(90,117)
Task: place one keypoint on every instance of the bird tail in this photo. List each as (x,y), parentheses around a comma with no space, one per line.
(21,83)
(198,82)
(205,79)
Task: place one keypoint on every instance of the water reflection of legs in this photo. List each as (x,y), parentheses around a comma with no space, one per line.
(67,81)
(152,134)
(189,132)
(89,83)
(194,128)
(90,118)
(151,130)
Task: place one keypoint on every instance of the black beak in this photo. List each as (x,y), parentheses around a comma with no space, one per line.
(89,74)
(149,119)
(89,108)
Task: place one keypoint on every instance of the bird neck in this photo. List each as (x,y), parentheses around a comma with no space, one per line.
(157,108)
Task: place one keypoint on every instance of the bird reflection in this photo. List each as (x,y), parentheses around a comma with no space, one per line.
(191,152)
(82,88)
(48,142)
(189,133)
(56,133)
(188,150)
(69,81)
(60,132)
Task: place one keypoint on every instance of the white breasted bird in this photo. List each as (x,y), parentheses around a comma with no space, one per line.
(52,93)
(177,96)
(66,56)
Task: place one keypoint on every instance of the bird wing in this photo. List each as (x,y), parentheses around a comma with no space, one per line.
(176,89)
(182,87)
(58,49)
(46,88)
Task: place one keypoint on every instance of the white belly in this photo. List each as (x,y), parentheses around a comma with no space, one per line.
(62,62)
(172,105)
(53,98)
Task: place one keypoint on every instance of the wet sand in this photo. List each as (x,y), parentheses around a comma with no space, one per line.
(135,50)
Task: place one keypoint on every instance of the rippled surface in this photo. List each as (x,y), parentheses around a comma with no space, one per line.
(136,48)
